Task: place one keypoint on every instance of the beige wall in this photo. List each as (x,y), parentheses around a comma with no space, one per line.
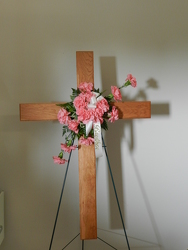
(38,43)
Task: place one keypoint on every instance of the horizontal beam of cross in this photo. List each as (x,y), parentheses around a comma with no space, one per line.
(48,111)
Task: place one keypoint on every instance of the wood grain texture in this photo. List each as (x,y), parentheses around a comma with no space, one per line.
(48,111)
(87,165)
(38,111)
(87,192)
(84,66)
(133,110)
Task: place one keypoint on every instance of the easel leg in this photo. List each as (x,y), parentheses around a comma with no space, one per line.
(115,192)
(82,244)
(60,200)
(71,241)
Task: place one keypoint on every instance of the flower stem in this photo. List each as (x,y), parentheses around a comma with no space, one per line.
(125,84)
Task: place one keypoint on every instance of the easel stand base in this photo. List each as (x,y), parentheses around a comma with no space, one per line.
(117,200)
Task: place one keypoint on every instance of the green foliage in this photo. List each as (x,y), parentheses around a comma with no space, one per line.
(68,106)
(75,93)
(91,133)
(109,98)
(96,90)
(71,115)
(82,130)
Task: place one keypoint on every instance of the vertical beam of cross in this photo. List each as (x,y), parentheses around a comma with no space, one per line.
(87,162)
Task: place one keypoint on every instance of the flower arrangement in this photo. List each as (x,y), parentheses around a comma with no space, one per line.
(86,113)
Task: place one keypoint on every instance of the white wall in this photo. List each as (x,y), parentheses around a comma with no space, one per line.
(38,43)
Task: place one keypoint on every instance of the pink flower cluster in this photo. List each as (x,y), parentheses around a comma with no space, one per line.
(84,113)
(88,106)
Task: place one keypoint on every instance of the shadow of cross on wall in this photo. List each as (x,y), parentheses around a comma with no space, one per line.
(108,75)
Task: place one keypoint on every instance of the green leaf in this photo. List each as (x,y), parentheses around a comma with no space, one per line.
(68,106)
(100,93)
(72,97)
(60,105)
(96,90)
(75,92)
(109,98)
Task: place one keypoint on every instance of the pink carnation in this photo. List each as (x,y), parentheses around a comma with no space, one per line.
(88,141)
(116,93)
(86,96)
(58,160)
(85,86)
(103,105)
(94,115)
(66,148)
(113,115)
(97,115)
(63,117)
(88,115)
(73,125)
(79,102)
(82,114)
(132,80)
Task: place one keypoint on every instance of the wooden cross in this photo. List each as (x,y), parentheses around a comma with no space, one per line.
(87,162)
